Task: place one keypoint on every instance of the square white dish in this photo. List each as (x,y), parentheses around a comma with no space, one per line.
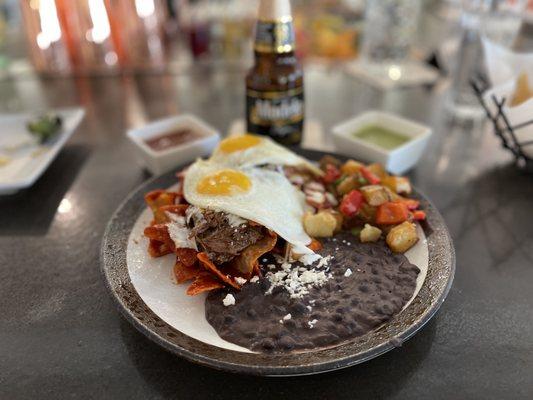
(158,162)
(27,161)
(398,160)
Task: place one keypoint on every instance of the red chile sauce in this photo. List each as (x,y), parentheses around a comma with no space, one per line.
(171,139)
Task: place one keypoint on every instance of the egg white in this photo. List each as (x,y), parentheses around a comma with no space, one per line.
(266,152)
(272,200)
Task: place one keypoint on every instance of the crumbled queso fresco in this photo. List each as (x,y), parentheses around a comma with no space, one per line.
(298,281)
(229,300)
(285,318)
(240,281)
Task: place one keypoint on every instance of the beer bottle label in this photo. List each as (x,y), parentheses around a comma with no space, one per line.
(274,36)
(278,114)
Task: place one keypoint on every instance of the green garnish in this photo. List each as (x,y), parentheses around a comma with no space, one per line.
(338,181)
(45,126)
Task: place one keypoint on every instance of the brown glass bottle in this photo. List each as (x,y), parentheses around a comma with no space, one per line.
(274,85)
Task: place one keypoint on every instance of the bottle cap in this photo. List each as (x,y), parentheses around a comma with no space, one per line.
(275,10)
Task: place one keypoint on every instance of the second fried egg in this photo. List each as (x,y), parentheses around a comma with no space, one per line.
(252,150)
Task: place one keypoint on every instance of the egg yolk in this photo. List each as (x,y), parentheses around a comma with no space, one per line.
(224,183)
(239,143)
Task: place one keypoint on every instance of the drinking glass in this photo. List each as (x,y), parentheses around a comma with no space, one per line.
(496,20)
(390,27)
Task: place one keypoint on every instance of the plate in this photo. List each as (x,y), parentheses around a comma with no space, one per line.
(28,163)
(160,309)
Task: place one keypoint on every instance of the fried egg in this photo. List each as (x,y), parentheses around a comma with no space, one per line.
(251,150)
(260,195)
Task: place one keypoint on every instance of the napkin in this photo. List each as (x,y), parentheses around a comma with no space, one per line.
(504,67)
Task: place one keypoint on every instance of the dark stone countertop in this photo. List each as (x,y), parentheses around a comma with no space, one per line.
(61,336)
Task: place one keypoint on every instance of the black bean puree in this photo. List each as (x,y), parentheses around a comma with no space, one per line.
(345,307)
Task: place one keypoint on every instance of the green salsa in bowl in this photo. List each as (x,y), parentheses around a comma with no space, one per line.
(388,139)
(381,137)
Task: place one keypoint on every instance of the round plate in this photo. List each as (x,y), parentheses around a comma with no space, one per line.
(398,329)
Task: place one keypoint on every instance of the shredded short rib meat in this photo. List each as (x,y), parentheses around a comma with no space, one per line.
(222,241)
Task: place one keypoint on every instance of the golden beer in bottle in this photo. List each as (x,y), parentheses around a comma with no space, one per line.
(274,85)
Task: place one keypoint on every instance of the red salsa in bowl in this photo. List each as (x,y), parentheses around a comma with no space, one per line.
(172,139)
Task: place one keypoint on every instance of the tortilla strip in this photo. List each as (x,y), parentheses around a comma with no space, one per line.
(187,256)
(158,249)
(208,264)
(158,198)
(178,209)
(184,273)
(158,232)
(203,283)
(246,262)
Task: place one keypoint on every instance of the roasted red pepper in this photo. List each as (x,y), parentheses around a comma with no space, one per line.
(372,178)
(332,174)
(411,204)
(419,215)
(351,203)
(392,213)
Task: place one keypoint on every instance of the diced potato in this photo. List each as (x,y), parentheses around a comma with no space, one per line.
(321,224)
(348,184)
(378,170)
(375,195)
(402,237)
(398,184)
(393,196)
(370,234)
(338,217)
(403,186)
(351,167)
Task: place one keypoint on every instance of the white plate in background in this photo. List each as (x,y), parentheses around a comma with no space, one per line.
(27,161)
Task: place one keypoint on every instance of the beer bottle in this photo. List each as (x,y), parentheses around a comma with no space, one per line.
(274,85)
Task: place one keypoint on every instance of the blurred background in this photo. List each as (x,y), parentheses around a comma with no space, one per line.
(383,44)
(102,36)
(107,36)
(81,47)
